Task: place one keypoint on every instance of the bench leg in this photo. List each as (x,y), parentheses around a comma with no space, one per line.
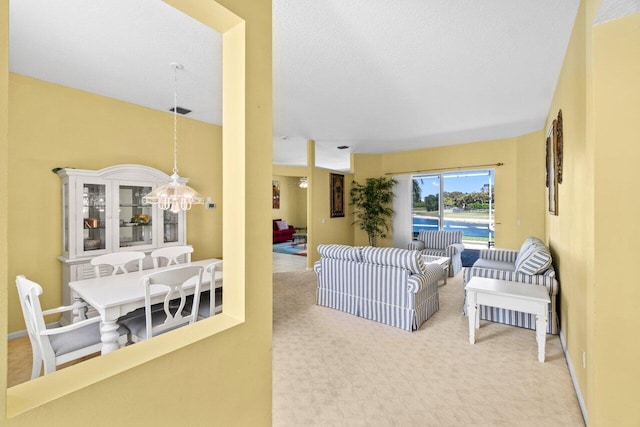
(541,334)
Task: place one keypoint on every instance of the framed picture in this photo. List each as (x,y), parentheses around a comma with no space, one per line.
(555,154)
(559,147)
(552,181)
(337,195)
(276,194)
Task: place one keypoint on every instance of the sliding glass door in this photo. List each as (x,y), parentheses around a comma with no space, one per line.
(426,203)
(462,201)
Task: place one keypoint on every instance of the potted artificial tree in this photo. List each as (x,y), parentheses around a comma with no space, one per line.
(372,208)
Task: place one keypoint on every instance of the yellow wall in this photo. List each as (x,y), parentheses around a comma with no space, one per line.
(519,182)
(615,350)
(592,239)
(226,376)
(530,187)
(324,228)
(568,233)
(293,201)
(4,173)
(92,132)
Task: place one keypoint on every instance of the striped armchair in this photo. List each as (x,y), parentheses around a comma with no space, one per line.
(532,264)
(388,285)
(441,243)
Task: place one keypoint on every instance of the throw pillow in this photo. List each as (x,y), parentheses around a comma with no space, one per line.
(282,225)
(536,262)
(528,247)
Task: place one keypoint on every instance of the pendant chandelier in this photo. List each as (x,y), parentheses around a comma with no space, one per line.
(175,196)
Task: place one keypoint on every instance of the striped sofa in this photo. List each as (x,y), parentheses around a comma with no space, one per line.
(441,243)
(532,264)
(388,285)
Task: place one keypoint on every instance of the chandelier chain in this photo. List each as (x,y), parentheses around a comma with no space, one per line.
(175,196)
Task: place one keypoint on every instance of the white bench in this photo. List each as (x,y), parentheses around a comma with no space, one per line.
(521,297)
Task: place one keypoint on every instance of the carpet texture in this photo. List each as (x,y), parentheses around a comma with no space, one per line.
(290,248)
(334,369)
(469,256)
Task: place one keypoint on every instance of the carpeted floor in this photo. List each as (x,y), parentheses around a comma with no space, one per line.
(290,248)
(334,369)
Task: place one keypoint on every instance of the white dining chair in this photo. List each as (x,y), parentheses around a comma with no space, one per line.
(52,347)
(118,261)
(172,286)
(211,300)
(171,254)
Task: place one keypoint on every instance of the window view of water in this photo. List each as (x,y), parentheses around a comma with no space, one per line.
(457,201)
(468,228)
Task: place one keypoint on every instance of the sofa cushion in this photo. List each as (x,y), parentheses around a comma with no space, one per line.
(394,257)
(340,252)
(494,265)
(282,225)
(535,261)
(527,248)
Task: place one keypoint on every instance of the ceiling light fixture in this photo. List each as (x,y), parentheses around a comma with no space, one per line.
(175,196)
(303,182)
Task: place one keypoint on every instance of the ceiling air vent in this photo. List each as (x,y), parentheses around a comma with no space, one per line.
(343,147)
(180,110)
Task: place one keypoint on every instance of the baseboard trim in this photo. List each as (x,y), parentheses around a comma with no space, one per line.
(18,334)
(23,333)
(574,380)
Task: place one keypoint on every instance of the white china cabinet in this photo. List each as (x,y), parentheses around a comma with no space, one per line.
(102,212)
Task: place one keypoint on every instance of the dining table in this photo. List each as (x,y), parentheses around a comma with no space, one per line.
(114,296)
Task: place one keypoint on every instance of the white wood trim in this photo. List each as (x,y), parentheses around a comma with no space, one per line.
(574,379)
(402,228)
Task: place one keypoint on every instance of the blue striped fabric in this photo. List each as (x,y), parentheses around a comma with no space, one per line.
(427,302)
(340,252)
(535,261)
(395,257)
(337,289)
(442,243)
(385,297)
(440,239)
(384,289)
(432,273)
(415,245)
(494,265)
(515,318)
(506,255)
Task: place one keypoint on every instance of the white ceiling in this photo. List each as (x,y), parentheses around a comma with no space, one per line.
(383,76)
(121,49)
(377,76)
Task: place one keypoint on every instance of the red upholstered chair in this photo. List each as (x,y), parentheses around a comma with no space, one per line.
(282,232)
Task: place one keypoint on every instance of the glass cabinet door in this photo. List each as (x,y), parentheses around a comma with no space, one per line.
(135,224)
(93,216)
(171,227)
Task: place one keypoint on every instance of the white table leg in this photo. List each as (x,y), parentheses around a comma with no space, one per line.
(109,336)
(472,313)
(541,334)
